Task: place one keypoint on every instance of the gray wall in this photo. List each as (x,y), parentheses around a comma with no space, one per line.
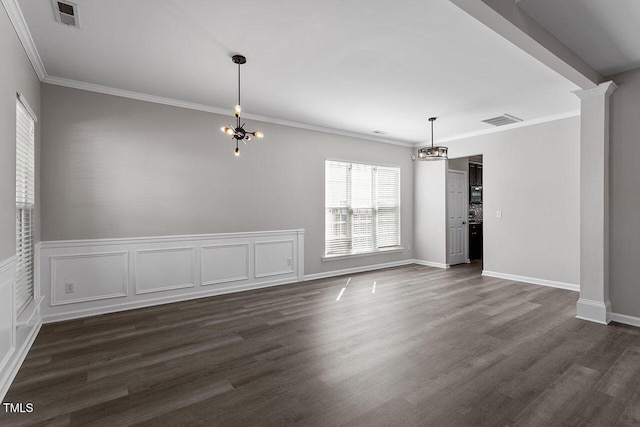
(16,75)
(116,167)
(461,164)
(431,211)
(624,197)
(532,174)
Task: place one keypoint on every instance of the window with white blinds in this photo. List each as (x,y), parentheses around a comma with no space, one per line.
(25,204)
(362,208)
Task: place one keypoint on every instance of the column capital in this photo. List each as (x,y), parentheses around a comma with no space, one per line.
(603,89)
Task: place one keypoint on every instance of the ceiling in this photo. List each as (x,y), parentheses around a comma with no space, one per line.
(604,33)
(357,66)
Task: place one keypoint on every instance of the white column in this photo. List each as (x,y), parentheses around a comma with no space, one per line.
(594,302)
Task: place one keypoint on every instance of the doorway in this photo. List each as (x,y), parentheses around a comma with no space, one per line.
(476,188)
(464,210)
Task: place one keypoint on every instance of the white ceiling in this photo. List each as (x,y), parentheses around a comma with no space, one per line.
(604,33)
(354,66)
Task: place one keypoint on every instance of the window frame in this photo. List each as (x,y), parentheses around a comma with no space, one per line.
(350,213)
(25,291)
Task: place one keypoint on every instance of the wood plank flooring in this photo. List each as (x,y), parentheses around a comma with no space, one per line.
(430,347)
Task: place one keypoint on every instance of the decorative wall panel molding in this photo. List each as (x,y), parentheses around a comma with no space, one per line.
(274,258)
(164,269)
(86,277)
(224,263)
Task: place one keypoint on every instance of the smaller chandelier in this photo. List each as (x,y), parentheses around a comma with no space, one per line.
(432,153)
(238,133)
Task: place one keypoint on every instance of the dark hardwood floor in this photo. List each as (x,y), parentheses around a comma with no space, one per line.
(430,347)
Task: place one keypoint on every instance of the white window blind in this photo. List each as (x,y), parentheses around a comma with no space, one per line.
(362,208)
(25,204)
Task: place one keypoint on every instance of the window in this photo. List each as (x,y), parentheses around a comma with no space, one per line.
(25,203)
(362,208)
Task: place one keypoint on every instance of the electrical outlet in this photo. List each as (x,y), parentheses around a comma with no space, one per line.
(289,262)
(69,287)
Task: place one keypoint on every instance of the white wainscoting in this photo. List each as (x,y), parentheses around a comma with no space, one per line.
(16,333)
(7,311)
(87,277)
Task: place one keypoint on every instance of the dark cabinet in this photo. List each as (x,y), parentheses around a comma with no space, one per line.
(475,241)
(475,174)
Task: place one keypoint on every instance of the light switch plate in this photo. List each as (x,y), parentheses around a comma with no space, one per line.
(498,214)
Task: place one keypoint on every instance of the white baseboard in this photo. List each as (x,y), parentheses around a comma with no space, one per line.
(26,336)
(431,264)
(623,318)
(354,270)
(532,280)
(114,308)
(594,311)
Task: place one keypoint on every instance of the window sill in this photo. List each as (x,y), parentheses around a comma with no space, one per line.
(29,311)
(393,250)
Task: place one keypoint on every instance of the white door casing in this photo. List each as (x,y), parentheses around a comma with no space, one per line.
(457,217)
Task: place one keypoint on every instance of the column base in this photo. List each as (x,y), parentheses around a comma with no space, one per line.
(594,311)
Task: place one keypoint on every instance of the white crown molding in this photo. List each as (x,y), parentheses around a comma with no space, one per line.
(603,89)
(20,25)
(17,19)
(59,81)
(522,124)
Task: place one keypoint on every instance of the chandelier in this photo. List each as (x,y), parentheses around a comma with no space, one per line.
(432,153)
(238,133)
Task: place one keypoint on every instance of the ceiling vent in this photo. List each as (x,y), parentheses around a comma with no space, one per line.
(66,13)
(505,119)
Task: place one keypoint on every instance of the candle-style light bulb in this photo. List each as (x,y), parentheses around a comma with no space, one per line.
(237,151)
(237,109)
(258,134)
